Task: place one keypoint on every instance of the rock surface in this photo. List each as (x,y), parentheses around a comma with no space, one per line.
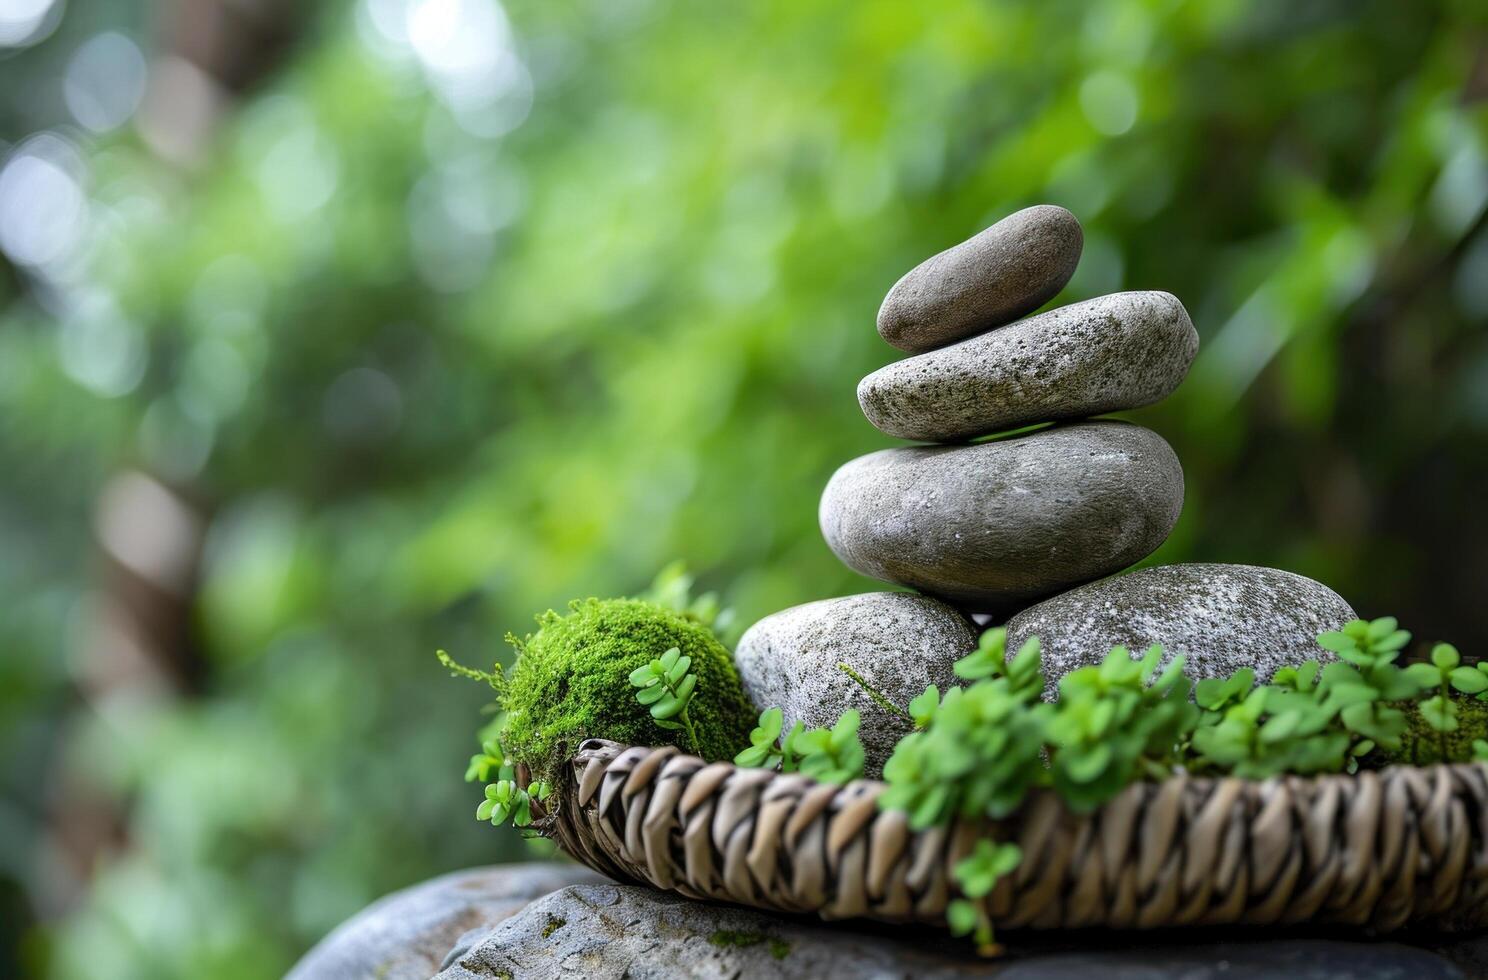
(899,642)
(1010,269)
(1220,617)
(406,935)
(996,525)
(609,932)
(1108,354)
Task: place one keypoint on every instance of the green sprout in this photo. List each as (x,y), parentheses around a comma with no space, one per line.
(978,874)
(828,755)
(666,685)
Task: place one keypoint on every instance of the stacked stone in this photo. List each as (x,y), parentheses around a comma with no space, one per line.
(989,528)
(993,526)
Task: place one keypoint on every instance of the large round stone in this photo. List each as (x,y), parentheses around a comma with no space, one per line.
(408,935)
(1220,617)
(900,643)
(996,525)
(1103,355)
(625,932)
(1010,269)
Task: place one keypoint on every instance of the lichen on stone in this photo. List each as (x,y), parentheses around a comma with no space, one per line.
(731,937)
(570,683)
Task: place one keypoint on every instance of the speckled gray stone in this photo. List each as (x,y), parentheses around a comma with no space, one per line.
(1220,617)
(610,932)
(993,278)
(407,935)
(625,932)
(994,526)
(901,643)
(1107,354)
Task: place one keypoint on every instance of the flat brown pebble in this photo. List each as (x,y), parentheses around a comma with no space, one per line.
(1107,354)
(1010,269)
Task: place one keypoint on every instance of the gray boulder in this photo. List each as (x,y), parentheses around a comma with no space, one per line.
(609,932)
(1220,617)
(899,642)
(997,525)
(1103,355)
(615,932)
(993,278)
(408,934)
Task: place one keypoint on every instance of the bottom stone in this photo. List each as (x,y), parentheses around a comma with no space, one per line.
(408,934)
(1220,617)
(898,642)
(609,932)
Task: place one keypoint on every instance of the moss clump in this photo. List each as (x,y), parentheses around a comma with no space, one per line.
(1422,745)
(571,682)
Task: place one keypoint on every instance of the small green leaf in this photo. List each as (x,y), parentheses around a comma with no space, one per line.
(962,917)
(923,707)
(1382,627)
(1426,675)
(1337,642)
(1085,766)
(1440,713)
(1445,656)
(1469,680)
(678,670)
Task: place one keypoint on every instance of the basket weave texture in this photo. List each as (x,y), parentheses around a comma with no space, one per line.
(1404,845)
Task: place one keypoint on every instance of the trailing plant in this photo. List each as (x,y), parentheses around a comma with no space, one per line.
(667,685)
(828,755)
(977,875)
(977,751)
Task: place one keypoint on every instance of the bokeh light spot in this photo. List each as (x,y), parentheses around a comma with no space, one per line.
(105,82)
(1109,101)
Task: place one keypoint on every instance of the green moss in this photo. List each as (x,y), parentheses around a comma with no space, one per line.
(1422,745)
(570,682)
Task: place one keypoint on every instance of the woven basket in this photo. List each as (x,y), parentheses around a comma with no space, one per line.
(1405,845)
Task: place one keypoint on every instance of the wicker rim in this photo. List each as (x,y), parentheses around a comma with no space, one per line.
(1404,845)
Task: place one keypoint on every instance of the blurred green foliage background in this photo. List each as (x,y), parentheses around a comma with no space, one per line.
(331,334)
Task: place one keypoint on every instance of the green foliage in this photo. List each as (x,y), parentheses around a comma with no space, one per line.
(1116,722)
(581,674)
(506,800)
(979,752)
(673,588)
(828,755)
(764,750)
(1308,719)
(979,749)
(989,659)
(977,874)
(666,686)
